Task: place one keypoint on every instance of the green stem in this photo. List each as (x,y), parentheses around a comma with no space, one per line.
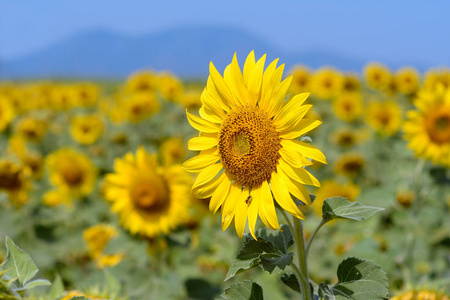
(313,235)
(301,253)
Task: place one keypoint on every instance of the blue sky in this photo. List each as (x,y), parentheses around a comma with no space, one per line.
(373,30)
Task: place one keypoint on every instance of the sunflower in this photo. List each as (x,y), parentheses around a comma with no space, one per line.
(15,181)
(384,117)
(86,94)
(31,129)
(6,113)
(172,151)
(138,106)
(249,147)
(350,164)
(170,87)
(435,78)
(15,96)
(150,200)
(421,294)
(405,197)
(191,97)
(71,171)
(301,79)
(348,106)
(63,98)
(351,83)
(407,80)
(377,76)
(86,130)
(331,188)
(326,83)
(97,237)
(56,197)
(142,81)
(346,137)
(428,128)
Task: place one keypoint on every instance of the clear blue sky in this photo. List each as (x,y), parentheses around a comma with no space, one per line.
(378,30)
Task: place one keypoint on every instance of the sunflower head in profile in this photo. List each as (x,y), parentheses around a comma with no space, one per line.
(87,129)
(249,152)
(377,76)
(149,199)
(71,171)
(385,117)
(427,129)
(348,106)
(15,180)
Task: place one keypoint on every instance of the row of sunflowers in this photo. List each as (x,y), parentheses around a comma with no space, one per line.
(92,179)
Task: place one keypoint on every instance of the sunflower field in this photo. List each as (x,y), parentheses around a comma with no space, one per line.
(163,188)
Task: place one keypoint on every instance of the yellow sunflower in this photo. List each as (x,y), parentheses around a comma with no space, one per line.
(15,181)
(71,171)
(428,128)
(384,117)
(86,130)
(249,147)
(97,237)
(301,79)
(351,83)
(6,113)
(346,137)
(142,81)
(348,106)
(377,76)
(86,94)
(63,98)
(38,95)
(407,80)
(172,151)
(326,83)
(56,197)
(349,164)
(170,87)
(31,129)
(435,78)
(331,188)
(191,97)
(150,200)
(138,106)
(421,294)
(15,96)
(405,197)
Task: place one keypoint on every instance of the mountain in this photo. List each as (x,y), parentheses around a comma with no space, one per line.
(185,51)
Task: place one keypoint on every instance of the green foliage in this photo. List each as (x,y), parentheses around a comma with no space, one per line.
(19,268)
(270,252)
(247,290)
(201,289)
(341,208)
(291,281)
(57,289)
(358,279)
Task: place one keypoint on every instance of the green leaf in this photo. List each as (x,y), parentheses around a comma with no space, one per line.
(269,251)
(246,290)
(291,281)
(341,208)
(112,285)
(34,283)
(201,289)
(18,263)
(57,289)
(358,279)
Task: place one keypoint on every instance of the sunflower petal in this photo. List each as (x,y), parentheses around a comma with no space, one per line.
(207,190)
(206,175)
(199,162)
(202,143)
(255,80)
(267,208)
(283,197)
(253,207)
(221,86)
(201,124)
(266,89)
(304,149)
(240,217)
(298,174)
(294,158)
(228,208)
(249,66)
(296,189)
(292,109)
(299,129)
(220,195)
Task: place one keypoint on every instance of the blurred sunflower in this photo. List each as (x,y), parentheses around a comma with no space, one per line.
(138,106)
(150,200)
(191,97)
(97,237)
(63,98)
(421,294)
(15,181)
(143,81)
(351,83)
(405,197)
(326,83)
(86,94)
(331,188)
(87,129)
(249,147)
(170,87)
(172,151)
(109,260)
(35,162)
(348,106)
(377,76)
(15,97)
(428,128)
(435,78)
(407,80)
(384,117)
(346,137)
(350,164)
(6,113)
(39,95)
(301,79)
(71,171)
(75,294)
(31,129)
(56,197)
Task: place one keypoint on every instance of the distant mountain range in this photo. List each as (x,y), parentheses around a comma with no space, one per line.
(185,51)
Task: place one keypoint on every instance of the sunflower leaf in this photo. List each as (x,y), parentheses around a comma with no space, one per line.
(247,290)
(270,252)
(341,208)
(18,264)
(358,279)
(291,281)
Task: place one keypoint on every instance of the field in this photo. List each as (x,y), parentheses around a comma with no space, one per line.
(93,186)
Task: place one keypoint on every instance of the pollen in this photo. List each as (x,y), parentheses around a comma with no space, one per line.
(249,145)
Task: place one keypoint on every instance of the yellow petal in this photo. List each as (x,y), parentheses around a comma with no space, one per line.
(202,143)
(206,175)
(237,81)
(220,85)
(201,124)
(255,80)
(240,217)
(199,162)
(207,114)
(212,91)
(253,207)
(212,104)
(267,85)
(283,197)
(299,129)
(291,109)
(207,190)
(220,194)
(294,158)
(228,208)
(291,118)
(278,101)
(304,149)
(296,189)
(267,207)
(299,175)
(249,65)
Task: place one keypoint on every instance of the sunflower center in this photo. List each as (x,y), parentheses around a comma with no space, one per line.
(10,181)
(151,194)
(438,126)
(73,176)
(384,118)
(249,145)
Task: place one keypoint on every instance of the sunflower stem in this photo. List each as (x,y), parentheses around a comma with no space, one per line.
(303,279)
(313,235)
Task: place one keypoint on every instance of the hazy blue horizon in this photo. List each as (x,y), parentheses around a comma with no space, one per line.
(371,30)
